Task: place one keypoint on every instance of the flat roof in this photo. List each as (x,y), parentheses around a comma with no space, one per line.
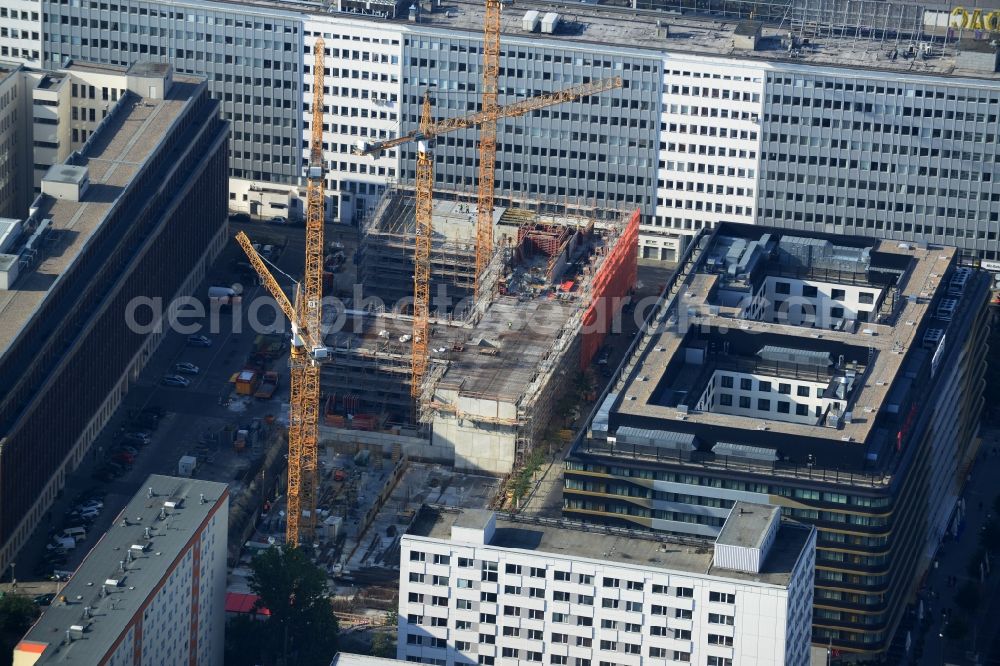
(669,33)
(591,23)
(113,157)
(113,607)
(747,524)
(351,659)
(621,546)
(887,344)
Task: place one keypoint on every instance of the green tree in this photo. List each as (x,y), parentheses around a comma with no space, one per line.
(382,645)
(967,598)
(301,628)
(17,614)
(244,646)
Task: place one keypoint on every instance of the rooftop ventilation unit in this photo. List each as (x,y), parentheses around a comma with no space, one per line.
(946,308)
(932,337)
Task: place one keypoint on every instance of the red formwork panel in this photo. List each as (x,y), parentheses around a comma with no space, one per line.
(614,280)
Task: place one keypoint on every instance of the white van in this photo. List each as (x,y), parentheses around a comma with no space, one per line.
(77,533)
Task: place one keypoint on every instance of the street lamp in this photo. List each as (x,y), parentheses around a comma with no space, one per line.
(13,580)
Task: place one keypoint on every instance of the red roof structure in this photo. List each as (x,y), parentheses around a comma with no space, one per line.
(239,603)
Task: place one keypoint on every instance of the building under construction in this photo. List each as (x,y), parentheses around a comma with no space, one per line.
(499,365)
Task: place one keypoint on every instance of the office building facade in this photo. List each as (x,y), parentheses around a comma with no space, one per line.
(480,588)
(723,125)
(838,377)
(77,262)
(152,591)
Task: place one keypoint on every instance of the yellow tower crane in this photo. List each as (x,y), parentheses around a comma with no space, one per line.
(487,142)
(308,350)
(422,256)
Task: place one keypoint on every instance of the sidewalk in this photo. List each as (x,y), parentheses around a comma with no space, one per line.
(953,562)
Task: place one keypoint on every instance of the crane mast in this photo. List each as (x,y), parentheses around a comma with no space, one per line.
(427,130)
(487,141)
(303,425)
(307,351)
(422,256)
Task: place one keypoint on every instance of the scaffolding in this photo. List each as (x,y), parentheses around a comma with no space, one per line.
(496,365)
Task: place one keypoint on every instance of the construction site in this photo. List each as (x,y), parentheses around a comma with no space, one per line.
(497,364)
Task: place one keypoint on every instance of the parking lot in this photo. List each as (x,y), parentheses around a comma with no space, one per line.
(198,418)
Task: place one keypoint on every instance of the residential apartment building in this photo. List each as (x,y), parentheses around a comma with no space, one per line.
(838,377)
(481,588)
(75,260)
(720,119)
(152,591)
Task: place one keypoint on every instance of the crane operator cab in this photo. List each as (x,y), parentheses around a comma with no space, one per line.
(317,353)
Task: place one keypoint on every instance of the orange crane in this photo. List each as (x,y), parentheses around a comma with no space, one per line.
(426,131)
(308,351)
(513,110)
(422,256)
(487,141)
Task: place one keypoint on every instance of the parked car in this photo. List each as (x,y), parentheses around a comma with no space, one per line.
(128,449)
(138,436)
(239,217)
(186,368)
(89,505)
(175,380)
(44,599)
(198,341)
(279,220)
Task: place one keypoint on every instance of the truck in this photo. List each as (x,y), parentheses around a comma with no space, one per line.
(223,296)
(269,345)
(268,385)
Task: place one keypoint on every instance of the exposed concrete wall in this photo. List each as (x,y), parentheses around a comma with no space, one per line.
(415,448)
(486,449)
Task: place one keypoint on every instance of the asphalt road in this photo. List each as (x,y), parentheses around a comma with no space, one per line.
(190,411)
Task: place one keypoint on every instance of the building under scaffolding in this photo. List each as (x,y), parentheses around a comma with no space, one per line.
(498,366)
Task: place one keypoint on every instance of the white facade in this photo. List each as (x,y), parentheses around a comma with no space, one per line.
(813,303)
(361,103)
(464,600)
(21,31)
(767,397)
(709,151)
(362,92)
